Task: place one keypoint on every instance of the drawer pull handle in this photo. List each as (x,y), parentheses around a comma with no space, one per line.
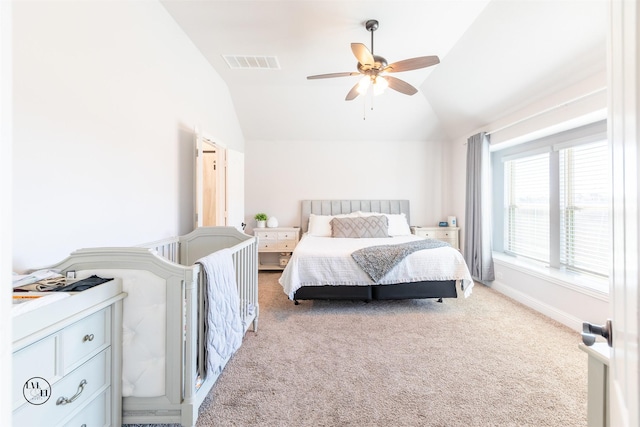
(88,337)
(64,400)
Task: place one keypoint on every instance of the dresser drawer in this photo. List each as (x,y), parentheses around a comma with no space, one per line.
(85,338)
(96,374)
(96,413)
(35,361)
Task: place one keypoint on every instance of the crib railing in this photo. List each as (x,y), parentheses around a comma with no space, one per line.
(168,248)
(245,260)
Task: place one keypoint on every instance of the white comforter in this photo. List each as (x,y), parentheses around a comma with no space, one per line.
(319,261)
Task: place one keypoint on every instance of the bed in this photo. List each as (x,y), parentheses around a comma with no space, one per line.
(322,266)
(168,368)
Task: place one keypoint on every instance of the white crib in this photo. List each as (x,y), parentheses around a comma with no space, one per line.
(164,378)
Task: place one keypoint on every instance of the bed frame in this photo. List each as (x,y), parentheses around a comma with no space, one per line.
(169,264)
(413,290)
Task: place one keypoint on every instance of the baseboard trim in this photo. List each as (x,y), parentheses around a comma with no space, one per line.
(537,305)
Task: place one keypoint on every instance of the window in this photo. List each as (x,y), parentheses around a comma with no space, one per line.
(584,208)
(527,206)
(552,201)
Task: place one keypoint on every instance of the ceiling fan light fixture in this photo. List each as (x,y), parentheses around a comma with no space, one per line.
(363,85)
(379,85)
(375,69)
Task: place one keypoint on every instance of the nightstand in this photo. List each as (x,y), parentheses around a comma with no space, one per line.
(275,241)
(446,234)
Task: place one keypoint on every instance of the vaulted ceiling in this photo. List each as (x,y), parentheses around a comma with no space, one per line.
(496,56)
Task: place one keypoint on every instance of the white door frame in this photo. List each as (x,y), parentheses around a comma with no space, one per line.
(624,134)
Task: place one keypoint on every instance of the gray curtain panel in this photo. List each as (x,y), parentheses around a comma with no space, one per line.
(477,246)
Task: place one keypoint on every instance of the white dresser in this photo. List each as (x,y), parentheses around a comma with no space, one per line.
(275,241)
(446,234)
(67,360)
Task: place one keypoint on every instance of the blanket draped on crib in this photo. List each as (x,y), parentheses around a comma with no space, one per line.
(223,326)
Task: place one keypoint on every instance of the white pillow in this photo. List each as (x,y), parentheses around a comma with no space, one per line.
(398,225)
(320,225)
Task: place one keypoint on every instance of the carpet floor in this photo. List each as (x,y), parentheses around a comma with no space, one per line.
(481,361)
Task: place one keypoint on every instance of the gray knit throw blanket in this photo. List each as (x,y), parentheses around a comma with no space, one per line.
(377,261)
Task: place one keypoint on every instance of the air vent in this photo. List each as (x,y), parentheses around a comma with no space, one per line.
(245,62)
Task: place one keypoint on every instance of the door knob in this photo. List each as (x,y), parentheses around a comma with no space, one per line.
(590,331)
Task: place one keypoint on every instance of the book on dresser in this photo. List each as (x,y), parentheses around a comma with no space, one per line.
(67,357)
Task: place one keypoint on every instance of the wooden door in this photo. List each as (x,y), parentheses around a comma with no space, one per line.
(210,183)
(209,190)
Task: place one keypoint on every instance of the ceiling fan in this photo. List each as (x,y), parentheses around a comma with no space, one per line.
(375,69)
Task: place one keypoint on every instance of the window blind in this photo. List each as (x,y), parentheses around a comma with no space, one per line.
(584,208)
(527,206)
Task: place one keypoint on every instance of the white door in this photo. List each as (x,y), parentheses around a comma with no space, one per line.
(624,131)
(235,189)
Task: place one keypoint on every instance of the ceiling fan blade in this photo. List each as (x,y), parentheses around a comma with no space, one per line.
(400,85)
(353,93)
(412,64)
(331,75)
(363,54)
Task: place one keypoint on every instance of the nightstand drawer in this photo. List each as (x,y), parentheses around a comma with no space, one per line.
(287,245)
(264,235)
(84,338)
(267,244)
(431,234)
(446,234)
(287,235)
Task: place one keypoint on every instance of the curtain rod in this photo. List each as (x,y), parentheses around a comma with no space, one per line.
(555,107)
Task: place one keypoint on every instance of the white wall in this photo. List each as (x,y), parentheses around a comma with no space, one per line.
(280,174)
(106,98)
(5,212)
(579,104)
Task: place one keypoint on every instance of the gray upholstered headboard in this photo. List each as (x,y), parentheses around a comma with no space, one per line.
(335,207)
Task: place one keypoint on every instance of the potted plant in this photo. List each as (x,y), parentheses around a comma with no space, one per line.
(261,220)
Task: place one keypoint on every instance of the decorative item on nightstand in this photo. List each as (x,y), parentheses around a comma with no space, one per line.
(452,221)
(284,258)
(272,222)
(261,220)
